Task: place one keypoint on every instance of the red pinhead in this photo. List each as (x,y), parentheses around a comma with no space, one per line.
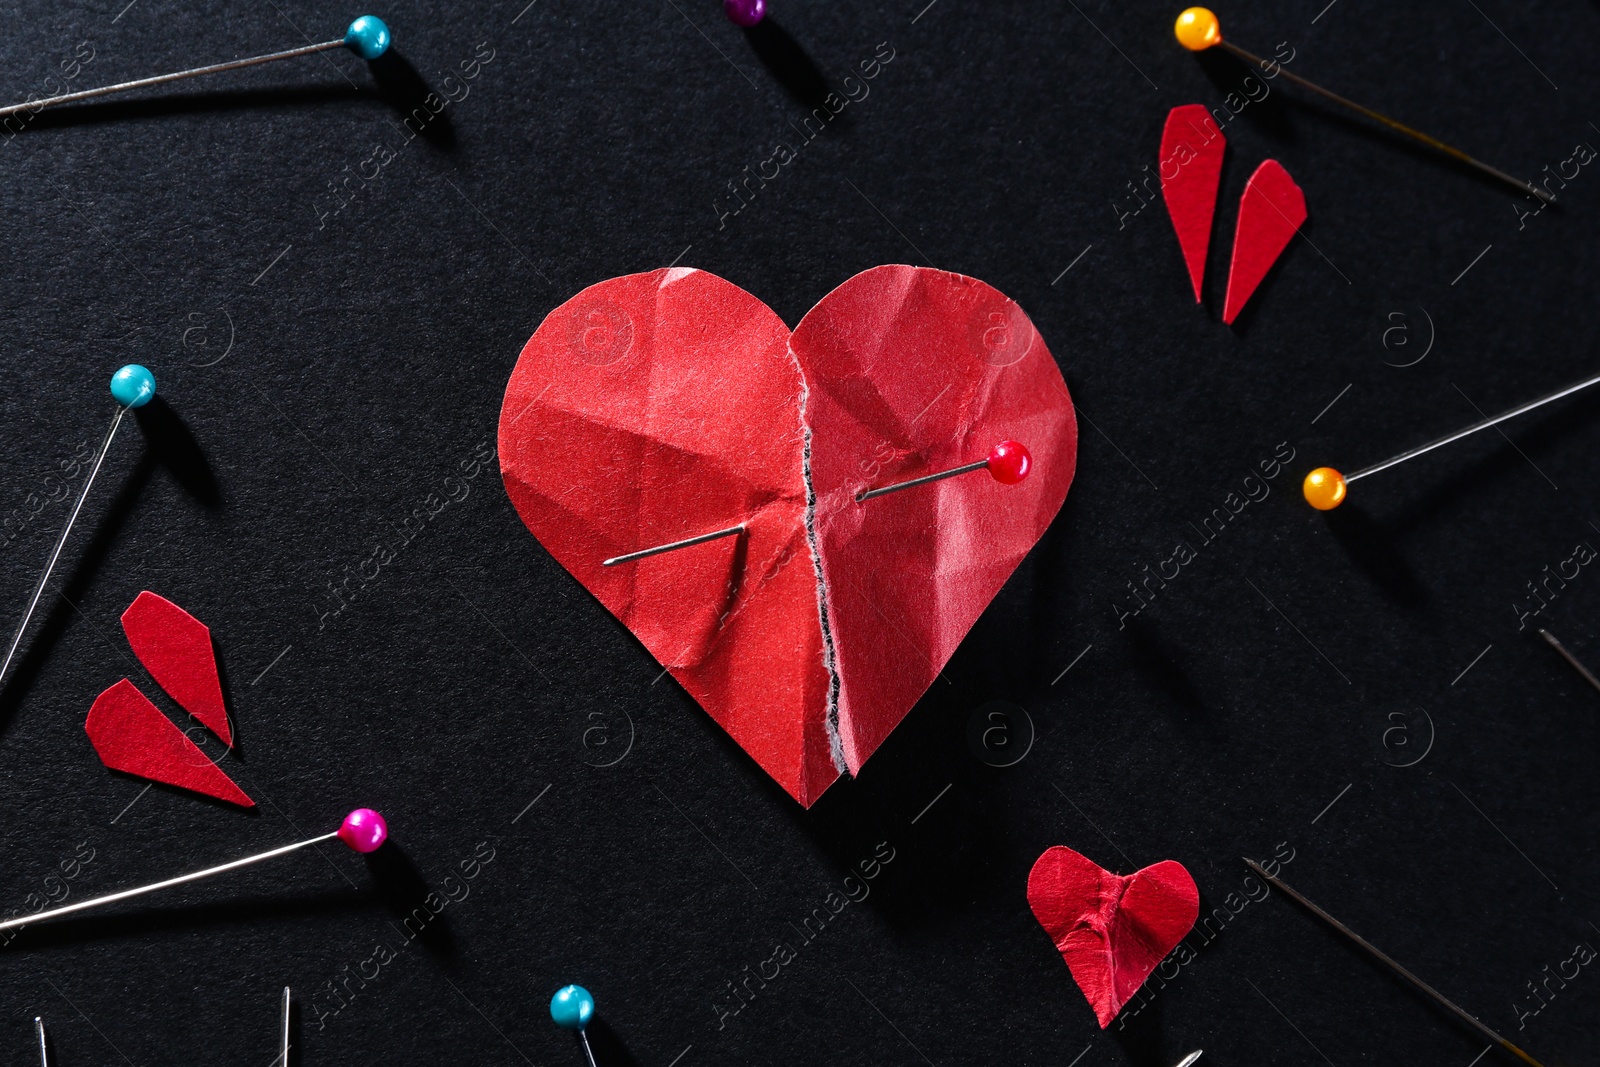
(1009,462)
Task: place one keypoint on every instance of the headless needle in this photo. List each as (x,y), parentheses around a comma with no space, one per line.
(1437,997)
(1550,639)
(367,37)
(132,387)
(1198,29)
(685,543)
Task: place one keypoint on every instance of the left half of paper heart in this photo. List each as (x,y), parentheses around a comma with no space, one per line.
(657,407)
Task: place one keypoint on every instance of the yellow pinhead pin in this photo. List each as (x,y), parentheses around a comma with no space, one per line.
(1324,488)
(1197,29)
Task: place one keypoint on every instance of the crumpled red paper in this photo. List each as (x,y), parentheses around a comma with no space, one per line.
(1192,147)
(131,735)
(175,647)
(1271,212)
(656,407)
(1111,929)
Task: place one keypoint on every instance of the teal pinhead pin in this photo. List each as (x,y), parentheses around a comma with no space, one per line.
(131,387)
(572,1007)
(368,37)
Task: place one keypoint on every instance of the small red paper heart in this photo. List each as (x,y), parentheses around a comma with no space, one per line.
(1192,147)
(131,735)
(658,407)
(1270,213)
(175,647)
(1111,929)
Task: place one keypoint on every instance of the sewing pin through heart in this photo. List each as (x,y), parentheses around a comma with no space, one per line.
(685,543)
(572,1007)
(1008,462)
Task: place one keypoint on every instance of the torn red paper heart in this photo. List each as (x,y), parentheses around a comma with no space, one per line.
(131,735)
(1111,929)
(1271,212)
(1192,147)
(175,647)
(657,407)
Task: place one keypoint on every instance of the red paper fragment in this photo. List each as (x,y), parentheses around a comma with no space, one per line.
(1111,929)
(1270,213)
(1192,147)
(656,407)
(132,736)
(175,647)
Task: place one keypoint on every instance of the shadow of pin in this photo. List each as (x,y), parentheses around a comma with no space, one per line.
(405,90)
(608,1047)
(789,63)
(407,895)
(1372,548)
(174,446)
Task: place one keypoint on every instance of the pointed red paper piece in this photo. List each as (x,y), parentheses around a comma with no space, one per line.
(1192,147)
(131,735)
(1111,929)
(1270,213)
(175,648)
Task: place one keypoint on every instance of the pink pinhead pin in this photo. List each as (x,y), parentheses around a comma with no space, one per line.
(364,830)
(1008,463)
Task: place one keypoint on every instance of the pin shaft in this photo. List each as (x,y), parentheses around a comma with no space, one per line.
(1422,986)
(1550,639)
(1474,428)
(685,543)
(588,1053)
(283,1055)
(28,920)
(44,1049)
(61,541)
(162,79)
(924,480)
(1393,124)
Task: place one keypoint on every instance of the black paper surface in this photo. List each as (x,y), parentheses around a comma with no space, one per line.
(332,307)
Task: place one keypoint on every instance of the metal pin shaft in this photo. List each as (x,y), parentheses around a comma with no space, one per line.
(685,543)
(924,480)
(1550,639)
(162,79)
(1474,428)
(55,554)
(283,1055)
(1400,127)
(28,920)
(1435,995)
(44,1048)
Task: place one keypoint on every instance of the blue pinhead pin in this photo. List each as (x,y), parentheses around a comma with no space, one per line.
(131,387)
(572,1007)
(368,37)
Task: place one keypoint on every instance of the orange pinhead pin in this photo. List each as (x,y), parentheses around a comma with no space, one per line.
(1324,488)
(1197,29)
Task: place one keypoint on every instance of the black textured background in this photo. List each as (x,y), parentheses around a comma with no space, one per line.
(321,377)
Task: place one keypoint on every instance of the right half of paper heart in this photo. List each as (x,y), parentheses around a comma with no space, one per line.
(911,371)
